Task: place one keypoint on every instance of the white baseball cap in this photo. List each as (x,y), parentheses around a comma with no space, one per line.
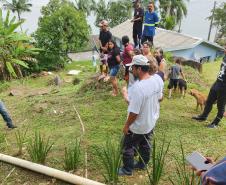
(139,60)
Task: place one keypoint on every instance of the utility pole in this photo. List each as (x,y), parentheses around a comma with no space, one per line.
(211,22)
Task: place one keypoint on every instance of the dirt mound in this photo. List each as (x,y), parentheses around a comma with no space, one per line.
(93,84)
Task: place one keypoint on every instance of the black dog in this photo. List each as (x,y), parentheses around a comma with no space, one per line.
(182,84)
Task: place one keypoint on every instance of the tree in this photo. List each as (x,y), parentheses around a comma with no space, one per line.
(61,29)
(101,11)
(172,10)
(15,48)
(115,12)
(86,6)
(18,6)
(220,23)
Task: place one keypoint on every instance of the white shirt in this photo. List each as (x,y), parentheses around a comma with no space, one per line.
(144,101)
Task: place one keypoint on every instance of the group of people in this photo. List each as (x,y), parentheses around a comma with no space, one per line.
(145,73)
(144,23)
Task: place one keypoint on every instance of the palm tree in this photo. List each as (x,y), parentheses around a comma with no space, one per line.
(101,11)
(174,8)
(115,12)
(86,6)
(18,6)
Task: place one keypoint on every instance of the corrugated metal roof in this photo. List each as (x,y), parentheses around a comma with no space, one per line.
(166,39)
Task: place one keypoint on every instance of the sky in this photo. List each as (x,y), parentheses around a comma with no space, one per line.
(195,24)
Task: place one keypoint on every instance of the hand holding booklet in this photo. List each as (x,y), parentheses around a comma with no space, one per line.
(198,161)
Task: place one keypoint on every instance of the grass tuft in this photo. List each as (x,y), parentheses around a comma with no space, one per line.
(38,148)
(72,156)
(110,159)
(20,140)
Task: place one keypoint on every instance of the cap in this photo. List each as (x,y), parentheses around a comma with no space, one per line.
(139,60)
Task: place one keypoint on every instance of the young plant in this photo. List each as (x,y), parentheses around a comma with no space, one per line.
(158,161)
(72,156)
(20,140)
(110,160)
(38,148)
(184,175)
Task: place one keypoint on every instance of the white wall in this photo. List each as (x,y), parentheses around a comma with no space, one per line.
(202,50)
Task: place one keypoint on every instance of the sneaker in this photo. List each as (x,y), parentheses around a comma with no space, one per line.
(12,127)
(211,126)
(199,118)
(123,172)
(139,166)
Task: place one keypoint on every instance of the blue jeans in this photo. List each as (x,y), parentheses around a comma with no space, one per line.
(5,115)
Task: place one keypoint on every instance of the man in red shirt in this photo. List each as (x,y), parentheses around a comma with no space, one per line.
(127,55)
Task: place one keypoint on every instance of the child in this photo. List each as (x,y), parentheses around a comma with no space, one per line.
(104,65)
(175,72)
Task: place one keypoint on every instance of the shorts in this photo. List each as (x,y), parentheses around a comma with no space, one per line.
(114,70)
(173,83)
(182,84)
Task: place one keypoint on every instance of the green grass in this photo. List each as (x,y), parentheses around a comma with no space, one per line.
(104,116)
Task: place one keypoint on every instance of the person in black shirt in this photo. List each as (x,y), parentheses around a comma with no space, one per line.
(217,93)
(137,23)
(104,37)
(114,61)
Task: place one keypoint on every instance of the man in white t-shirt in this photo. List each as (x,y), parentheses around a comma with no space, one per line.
(143,112)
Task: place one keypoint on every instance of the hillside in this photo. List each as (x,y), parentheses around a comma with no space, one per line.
(53,115)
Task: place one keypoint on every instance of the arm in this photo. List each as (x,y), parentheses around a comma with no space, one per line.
(162,66)
(118,59)
(131,118)
(182,74)
(156,18)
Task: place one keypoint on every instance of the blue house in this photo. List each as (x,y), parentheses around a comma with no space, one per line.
(180,45)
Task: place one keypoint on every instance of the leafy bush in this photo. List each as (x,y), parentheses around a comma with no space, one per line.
(38,148)
(110,159)
(72,156)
